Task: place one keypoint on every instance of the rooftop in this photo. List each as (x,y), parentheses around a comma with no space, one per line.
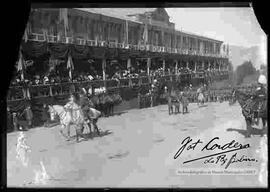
(121,13)
(126,13)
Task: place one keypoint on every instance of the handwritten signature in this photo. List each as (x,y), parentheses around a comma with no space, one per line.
(223,159)
(220,157)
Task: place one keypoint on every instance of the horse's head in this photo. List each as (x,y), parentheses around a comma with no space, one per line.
(52,112)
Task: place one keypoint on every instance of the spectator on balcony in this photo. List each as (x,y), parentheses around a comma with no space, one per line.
(116,76)
(37,80)
(46,79)
(90,77)
(143,73)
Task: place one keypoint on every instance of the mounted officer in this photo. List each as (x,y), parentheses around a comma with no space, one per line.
(72,105)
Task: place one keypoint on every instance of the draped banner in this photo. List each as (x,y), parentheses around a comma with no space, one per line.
(111,53)
(58,51)
(79,51)
(123,53)
(97,52)
(34,49)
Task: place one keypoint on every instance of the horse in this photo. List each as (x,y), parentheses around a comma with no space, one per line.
(67,119)
(94,114)
(173,100)
(246,102)
(108,105)
(200,99)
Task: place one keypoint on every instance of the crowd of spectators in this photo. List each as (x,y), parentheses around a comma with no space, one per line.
(56,77)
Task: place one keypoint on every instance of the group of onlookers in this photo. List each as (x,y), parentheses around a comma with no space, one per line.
(20,120)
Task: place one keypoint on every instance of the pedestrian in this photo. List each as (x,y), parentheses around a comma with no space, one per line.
(27,112)
(15,121)
(9,119)
(45,115)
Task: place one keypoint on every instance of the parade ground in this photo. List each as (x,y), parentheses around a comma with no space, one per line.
(137,149)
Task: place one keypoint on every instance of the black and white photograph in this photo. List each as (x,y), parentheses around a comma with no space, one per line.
(139,97)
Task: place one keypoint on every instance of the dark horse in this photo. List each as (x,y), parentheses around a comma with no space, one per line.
(246,102)
(173,100)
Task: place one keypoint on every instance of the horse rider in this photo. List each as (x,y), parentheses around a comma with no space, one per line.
(72,105)
(260,95)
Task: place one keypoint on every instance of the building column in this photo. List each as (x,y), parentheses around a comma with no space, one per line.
(195,66)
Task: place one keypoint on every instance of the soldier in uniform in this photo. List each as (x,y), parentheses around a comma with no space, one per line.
(260,95)
(85,104)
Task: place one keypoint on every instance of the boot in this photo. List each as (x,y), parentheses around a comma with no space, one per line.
(89,125)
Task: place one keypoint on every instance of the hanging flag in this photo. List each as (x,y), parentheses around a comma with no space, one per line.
(148,62)
(25,35)
(104,69)
(104,64)
(128,63)
(63,16)
(20,65)
(70,63)
(145,34)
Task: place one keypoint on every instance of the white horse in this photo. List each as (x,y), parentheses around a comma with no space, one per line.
(67,118)
(201,98)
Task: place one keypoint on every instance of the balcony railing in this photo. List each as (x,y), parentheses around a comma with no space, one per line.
(148,47)
(57,89)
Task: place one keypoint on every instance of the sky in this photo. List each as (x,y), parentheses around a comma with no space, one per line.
(234,26)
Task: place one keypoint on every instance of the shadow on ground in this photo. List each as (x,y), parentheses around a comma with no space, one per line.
(94,134)
(254,131)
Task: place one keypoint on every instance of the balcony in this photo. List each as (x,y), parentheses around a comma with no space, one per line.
(148,47)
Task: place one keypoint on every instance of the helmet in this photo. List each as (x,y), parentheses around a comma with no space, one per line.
(262,79)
